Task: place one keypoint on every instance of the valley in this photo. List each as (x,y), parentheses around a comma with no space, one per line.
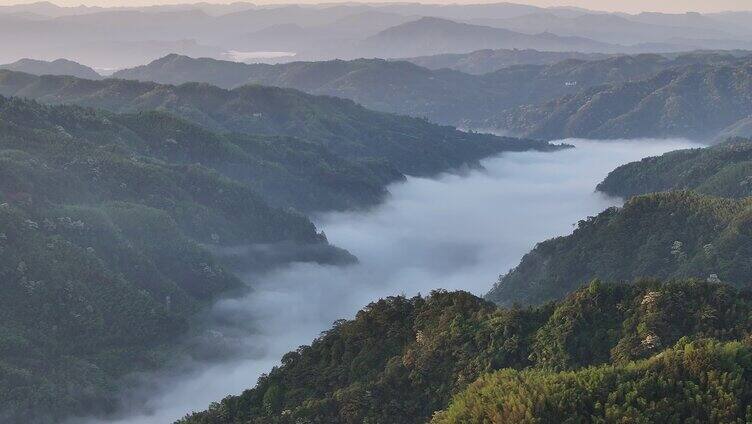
(375,213)
(407,245)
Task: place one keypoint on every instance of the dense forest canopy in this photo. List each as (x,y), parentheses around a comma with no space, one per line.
(703,381)
(287,171)
(722,170)
(401,360)
(663,235)
(102,226)
(412,146)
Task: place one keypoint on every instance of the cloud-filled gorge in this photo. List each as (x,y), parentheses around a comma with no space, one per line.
(456,232)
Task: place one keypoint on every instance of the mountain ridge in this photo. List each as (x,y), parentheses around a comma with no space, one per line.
(442,96)
(119,240)
(720,170)
(662,235)
(696,102)
(430,35)
(412,146)
(55,67)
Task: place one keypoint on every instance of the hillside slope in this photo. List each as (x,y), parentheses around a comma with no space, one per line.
(664,235)
(642,391)
(429,35)
(55,67)
(400,360)
(721,170)
(396,87)
(442,96)
(484,61)
(105,253)
(410,145)
(286,171)
(696,102)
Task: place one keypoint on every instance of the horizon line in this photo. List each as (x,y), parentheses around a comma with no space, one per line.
(96,4)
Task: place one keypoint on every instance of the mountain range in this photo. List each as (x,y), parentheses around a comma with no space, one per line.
(664,235)
(695,101)
(124,214)
(430,35)
(442,96)
(130,204)
(619,29)
(92,35)
(486,61)
(412,146)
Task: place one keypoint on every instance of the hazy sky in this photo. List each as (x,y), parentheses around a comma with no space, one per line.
(610,5)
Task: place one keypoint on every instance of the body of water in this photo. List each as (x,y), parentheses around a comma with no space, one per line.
(259,56)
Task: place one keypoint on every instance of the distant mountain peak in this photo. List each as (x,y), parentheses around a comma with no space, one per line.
(56,67)
(431,35)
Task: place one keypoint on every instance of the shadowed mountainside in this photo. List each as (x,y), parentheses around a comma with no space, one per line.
(721,170)
(55,67)
(696,101)
(105,238)
(664,235)
(484,61)
(412,146)
(443,96)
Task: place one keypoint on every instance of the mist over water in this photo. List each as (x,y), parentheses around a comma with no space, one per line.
(452,232)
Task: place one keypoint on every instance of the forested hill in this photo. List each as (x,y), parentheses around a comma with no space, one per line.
(55,67)
(104,243)
(721,170)
(696,102)
(412,146)
(441,96)
(642,391)
(286,171)
(485,61)
(431,35)
(179,69)
(400,360)
(664,235)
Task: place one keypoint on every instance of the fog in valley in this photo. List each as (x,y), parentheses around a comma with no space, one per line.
(383,213)
(454,232)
